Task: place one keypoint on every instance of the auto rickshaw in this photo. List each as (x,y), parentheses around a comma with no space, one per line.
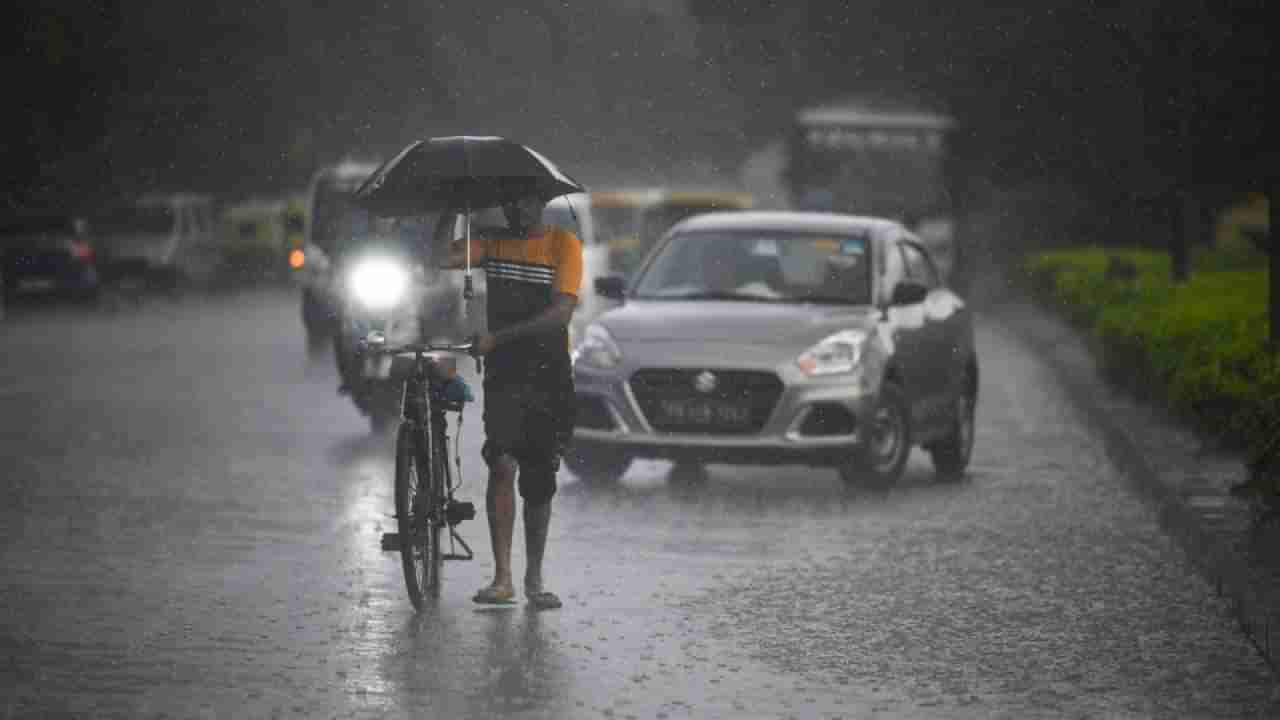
(618,215)
(253,241)
(643,216)
(295,232)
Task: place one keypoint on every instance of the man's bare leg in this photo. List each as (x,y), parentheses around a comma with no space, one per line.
(537,519)
(537,522)
(500,506)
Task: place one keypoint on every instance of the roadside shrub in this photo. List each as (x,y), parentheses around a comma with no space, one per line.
(1200,347)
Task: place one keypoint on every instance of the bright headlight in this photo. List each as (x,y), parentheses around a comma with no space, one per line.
(379,284)
(839,353)
(597,349)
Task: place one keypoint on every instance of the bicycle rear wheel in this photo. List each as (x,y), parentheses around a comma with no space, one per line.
(419,515)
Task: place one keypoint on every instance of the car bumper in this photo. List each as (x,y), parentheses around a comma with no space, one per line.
(610,417)
(71,279)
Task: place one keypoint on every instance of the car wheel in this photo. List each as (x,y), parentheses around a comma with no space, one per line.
(596,465)
(314,317)
(880,462)
(951,454)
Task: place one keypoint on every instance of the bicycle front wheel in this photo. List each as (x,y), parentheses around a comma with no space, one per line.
(418,514)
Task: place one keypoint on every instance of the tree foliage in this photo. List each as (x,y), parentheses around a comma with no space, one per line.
(1120,97)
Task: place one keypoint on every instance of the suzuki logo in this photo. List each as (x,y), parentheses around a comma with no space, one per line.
(705,382)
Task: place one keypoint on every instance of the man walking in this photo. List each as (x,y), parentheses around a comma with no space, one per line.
(532,275)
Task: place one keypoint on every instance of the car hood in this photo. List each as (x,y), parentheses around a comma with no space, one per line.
(732,322)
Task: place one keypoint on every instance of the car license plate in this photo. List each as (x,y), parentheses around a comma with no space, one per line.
(705,412)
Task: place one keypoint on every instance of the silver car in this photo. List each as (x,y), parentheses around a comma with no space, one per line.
(778,338)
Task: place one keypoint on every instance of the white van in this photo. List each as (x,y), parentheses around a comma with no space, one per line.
(169,241)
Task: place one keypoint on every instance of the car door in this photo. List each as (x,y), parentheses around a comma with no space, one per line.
(905,326)
(941,315)
(956,328)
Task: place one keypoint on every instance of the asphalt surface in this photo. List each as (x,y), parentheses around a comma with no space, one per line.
(191,518)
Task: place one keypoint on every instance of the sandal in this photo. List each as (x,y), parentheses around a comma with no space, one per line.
(544,600)
(492,595)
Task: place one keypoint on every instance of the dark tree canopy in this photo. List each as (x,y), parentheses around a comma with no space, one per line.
(230,97)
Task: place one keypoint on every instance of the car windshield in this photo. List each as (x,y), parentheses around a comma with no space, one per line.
(760,266)
(336,216)
(399,235)
(20,231)
(134,221)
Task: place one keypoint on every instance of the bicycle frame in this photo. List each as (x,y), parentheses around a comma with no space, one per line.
(424,425)
(424,410)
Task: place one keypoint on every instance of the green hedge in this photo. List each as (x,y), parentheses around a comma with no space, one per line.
(1200,346)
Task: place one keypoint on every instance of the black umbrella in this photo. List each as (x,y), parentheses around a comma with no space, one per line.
(461,173)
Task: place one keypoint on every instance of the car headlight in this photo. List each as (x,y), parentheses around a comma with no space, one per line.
(839,353)
(597,349)
(379,284)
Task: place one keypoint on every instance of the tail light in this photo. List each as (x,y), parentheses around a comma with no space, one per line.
(297,259)
(82,251)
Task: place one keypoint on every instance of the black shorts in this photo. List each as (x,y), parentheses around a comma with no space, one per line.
(533,425)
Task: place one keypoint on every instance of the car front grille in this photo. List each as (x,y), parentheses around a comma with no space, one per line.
(706,401)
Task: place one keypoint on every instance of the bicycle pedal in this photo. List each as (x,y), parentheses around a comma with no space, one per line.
(454,556)
(391,541)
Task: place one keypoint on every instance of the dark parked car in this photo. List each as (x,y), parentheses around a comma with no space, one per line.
(779,338)
(47,254)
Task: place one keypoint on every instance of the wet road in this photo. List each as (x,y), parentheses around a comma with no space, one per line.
(190,526)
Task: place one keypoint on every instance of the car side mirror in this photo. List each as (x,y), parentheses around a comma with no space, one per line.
(909,292)
(611,287)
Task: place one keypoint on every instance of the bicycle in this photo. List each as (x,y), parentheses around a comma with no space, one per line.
(424,484)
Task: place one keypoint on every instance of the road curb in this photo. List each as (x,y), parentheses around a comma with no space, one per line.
(1208,524)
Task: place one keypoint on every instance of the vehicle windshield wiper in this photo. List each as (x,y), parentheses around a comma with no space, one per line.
(825,300)
(709,295)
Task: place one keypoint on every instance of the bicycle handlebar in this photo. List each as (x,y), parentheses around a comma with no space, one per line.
(376,344)
(386,349)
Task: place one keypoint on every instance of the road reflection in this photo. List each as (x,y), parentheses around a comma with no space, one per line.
(452,659)
(462,661)
(739,491)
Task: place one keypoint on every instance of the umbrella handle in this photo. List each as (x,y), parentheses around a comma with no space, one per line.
(467,291)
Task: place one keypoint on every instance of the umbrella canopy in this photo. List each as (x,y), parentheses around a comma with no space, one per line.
(462,171)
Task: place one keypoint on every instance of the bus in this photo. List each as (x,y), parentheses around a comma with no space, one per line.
(884,158)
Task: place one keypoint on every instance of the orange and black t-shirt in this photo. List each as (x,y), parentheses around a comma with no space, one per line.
(522,276)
